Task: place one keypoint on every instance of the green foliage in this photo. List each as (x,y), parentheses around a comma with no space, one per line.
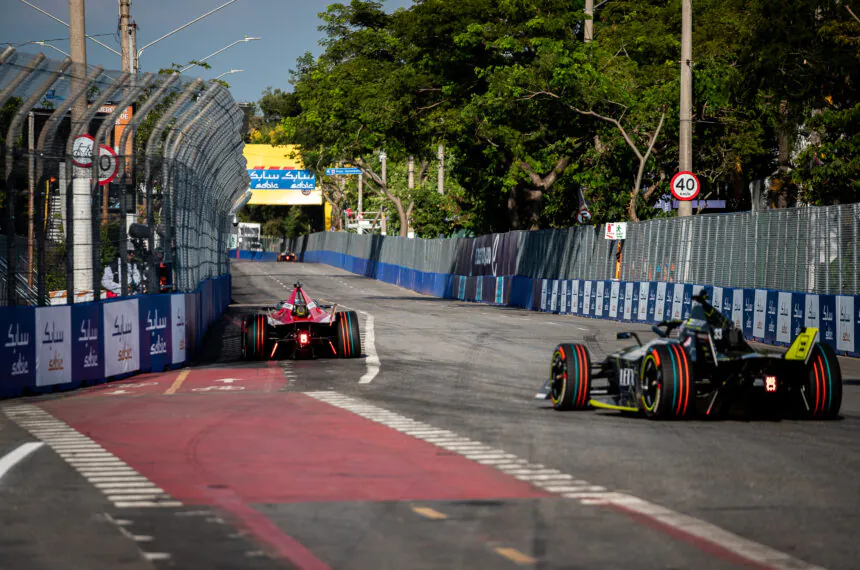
(530,115)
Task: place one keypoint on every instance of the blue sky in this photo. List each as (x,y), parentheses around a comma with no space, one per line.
(288,29)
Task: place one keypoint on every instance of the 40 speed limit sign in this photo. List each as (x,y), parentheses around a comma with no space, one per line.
(685,185)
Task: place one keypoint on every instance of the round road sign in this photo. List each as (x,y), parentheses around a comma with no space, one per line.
(107,165)
(583,215)
(685,186)
(82,151)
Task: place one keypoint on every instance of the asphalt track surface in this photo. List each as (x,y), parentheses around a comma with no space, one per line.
(306,464)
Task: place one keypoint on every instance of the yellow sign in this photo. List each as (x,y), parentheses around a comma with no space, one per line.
(279,159)
(327,216)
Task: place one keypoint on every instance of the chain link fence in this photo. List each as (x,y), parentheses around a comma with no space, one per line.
(807,249)
(112,184)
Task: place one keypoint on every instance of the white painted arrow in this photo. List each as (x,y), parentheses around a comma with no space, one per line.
(229,380)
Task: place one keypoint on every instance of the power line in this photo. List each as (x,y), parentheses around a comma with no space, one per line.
(56,39)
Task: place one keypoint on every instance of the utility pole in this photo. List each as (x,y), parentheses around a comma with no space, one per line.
(81,214)
(685,160)
(588,29)
(31,198)
(440,183)
(124,19)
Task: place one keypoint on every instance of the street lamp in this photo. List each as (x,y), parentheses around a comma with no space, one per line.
(89,37)
(229,72)
(53,47)
(180,28)
(245,39)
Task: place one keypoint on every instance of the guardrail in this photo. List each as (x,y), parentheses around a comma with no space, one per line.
(45,349)
(766,315)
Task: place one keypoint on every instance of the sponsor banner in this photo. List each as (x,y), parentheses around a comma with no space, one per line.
(87,353)
(121,326)
(660,302)
(304,197)
(53,345)
(783,318)
(272,179)
(614,294)
(642,313)
(811,311)
(574,298)
(717,298)
(828,319)
(749,311)
(738,308)
(677,302)
(798,313)
(553,306)
(479,290)
(191,331)
(606,287)
(494,254)
(500,290)
(652,302)
(598,298)
(687,305)
(563,298)
(544,300)
(17,348)
(155,345)
(628,301)
(728,297)
(759,313)
(586,298)
(771,317)
(178,337)
(845,323)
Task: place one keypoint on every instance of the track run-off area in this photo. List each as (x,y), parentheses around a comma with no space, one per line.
(427,452)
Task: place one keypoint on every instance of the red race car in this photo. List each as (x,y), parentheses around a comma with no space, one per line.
(299,327)
(287,256)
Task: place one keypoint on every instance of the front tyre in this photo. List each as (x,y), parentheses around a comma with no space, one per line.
(348,335)
(667,383)
(821,389)
(570,377)
(255,338)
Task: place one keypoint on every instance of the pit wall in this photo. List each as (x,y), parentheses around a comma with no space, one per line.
(45,349)
(765,315)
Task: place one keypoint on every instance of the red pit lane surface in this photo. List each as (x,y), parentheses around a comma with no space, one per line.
(276,448)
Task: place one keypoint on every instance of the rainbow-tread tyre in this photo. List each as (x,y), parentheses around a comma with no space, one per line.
(822,388)
(570,375)
(254,340)
(667,383)
(348,335)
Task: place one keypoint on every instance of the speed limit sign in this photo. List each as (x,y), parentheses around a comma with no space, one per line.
(685,185)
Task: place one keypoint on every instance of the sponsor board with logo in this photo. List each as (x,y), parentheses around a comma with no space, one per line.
(178,337)
(17,347)
(628,301)
(87,353)
(121,328)
(642,312)
(598,302)
(845,329)
(53,345)
(155,332)
(759,313)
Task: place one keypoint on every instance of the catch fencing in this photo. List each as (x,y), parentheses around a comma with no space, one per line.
(113,184)
(810,250)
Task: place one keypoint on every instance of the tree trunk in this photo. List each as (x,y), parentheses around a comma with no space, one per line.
(540,184)
(513,210)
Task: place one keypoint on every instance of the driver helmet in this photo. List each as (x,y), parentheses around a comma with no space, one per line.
(300,311)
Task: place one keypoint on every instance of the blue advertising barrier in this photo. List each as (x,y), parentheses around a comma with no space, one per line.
(63,347)
(767,316)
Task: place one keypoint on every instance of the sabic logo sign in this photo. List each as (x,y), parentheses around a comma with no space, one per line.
(89,333)
(16,339)
(53,336)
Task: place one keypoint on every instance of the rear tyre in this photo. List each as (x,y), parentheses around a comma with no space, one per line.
(667,383)
(348,335)
(255,341)
(570,377)
(822,386)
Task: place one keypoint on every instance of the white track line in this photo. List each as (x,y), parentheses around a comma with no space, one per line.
(372,360)
(13,457)
(708,536)
(99,466)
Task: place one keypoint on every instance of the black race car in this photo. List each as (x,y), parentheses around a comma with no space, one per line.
(287,255)
(699,366)
(300,327)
